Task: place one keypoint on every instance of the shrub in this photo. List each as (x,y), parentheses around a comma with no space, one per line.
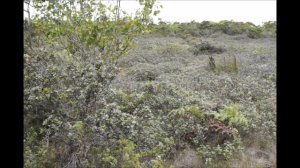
(206,48)
(127,156)
(219,132)
(157,164)
(206,28)
(233,28)
(212,64)
(263,118)
(170,49)
(144,72)
(187,125)
(255,33)
(74,117)
(215,154)
(230,27)
(227,66)
(232,115)
(269,29)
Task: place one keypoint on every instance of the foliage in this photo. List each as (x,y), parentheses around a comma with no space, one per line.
(232,28)
(128,156)
(112,36)
(206,48)
(157,164)
(166,29)
(207,28)
(250,88)
(255,33)
(67,78)
(263,119)
(75,115)
(270,28)
(232,115)
(211,154)
(171,49)
(144,72)
(230,66)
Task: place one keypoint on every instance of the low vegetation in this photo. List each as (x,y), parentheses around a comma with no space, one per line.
(101,94)
(207,28)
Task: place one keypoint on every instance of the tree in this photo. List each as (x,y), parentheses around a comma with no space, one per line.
(27,2)
(91,24)
(63,100)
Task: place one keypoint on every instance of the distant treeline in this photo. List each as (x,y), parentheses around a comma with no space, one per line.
(206,28)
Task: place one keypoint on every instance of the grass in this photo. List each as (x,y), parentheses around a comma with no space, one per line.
(228,65)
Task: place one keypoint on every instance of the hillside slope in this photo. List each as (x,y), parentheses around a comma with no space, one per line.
(171,60)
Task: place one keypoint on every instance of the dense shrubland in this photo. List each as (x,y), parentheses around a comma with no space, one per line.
(241,91)
(86,105)
(206,28)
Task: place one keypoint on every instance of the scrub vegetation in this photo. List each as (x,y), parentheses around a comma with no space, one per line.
(117,91)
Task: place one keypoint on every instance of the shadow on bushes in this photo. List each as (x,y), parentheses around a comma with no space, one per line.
(206,48)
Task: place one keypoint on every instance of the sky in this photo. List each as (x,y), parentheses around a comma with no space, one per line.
(255,11)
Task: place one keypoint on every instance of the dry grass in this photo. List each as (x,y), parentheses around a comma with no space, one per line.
(227,64)
(187,158)
(259,152)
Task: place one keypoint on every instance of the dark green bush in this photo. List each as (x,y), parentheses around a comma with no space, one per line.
(270,29)
(233,28)
(206,48)
(207,28)
(255,33)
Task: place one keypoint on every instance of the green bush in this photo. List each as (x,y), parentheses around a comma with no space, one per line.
(206,48)
(206,28)
(255,33)
(233,28)
(212,154)
(128,157)
(232,115)
(270,29)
